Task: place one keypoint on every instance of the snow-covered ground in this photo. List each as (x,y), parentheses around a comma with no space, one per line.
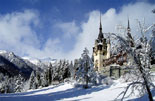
(66,92)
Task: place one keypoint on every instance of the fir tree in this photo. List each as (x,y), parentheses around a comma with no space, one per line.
(84,72)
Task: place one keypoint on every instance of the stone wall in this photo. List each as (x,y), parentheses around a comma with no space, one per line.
(115,72)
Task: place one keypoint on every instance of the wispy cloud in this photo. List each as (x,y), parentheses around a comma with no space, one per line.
(17,31)
(110,19)
(68,29)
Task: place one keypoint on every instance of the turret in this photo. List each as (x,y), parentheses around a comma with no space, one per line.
(108,48)
(100,49)
(129,37)
(100,36)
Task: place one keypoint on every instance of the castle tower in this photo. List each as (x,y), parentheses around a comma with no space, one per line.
(100,50)
(108,48)
(129,37)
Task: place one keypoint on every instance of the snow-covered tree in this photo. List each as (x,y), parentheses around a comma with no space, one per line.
(6,85)
(44,82)
(61,71)
(71,70)
(152,43)
(19,83)
(50,72)
(37,78)
(32,81)
(84,71)
(50,75)
(141,64)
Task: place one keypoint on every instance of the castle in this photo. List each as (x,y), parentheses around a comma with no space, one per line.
(102,56)
(101,50)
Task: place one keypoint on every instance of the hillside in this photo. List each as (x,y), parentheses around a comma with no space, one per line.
(13,65)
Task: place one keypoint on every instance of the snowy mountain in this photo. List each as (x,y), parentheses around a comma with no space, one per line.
(14,65)
(8,68)
(11,64)
(42,63)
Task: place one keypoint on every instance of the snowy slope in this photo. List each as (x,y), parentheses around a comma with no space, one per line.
(12,65)
(66,92)
(18,61)
(43,63)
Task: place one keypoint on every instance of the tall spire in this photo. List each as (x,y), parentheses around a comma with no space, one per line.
(100,23)
(128,28)
(131,41)
(100,36)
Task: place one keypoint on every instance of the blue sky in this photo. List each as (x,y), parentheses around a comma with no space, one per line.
(52,28)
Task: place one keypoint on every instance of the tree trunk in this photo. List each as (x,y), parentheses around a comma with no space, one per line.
(147,86)
(148,91)
(86,75)
(137,60)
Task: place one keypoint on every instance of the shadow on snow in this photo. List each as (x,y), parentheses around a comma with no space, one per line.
(69,93)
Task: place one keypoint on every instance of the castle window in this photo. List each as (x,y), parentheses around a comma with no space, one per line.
(104,53)
(99,47)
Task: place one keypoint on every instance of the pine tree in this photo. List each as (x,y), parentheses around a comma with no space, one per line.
(152,43)
(37,79)
(32,81)
(19,83)
(84,71)
(44,82)
(71,70)
(50,74)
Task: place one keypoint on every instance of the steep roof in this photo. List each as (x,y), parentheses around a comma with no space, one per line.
(100,36)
